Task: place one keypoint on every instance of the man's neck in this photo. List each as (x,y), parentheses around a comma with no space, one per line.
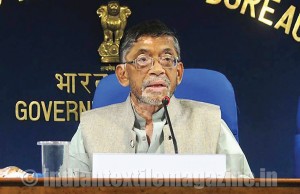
(146,111)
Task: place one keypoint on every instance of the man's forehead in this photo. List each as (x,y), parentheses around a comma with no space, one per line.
(152,44)
(165,43)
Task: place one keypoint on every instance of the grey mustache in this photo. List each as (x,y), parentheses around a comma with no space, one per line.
(154,79)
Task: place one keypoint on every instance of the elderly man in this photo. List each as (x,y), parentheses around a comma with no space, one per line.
(152,68)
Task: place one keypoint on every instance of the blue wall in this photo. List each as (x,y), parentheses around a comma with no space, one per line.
(41,38)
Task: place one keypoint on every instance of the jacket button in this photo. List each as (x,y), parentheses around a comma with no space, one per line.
(170,137)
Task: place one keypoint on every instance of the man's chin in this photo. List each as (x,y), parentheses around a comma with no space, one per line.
(152,101)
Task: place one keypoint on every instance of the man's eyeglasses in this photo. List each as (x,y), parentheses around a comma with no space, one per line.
(145,62)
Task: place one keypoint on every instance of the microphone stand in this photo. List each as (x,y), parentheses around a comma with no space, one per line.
(165,102)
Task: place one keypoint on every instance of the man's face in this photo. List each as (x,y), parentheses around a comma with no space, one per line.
(150,86)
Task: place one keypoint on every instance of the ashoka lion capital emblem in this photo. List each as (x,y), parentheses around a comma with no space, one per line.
(113,21)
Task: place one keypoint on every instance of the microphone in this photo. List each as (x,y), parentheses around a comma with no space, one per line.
(165,102)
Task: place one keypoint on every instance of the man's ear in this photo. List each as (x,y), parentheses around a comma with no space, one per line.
(122,75)
(180,70)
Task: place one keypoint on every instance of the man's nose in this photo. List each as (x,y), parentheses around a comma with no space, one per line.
(157,68)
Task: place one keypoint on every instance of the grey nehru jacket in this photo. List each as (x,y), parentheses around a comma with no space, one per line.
(198,128)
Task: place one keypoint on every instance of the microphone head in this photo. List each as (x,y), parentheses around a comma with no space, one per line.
(166,100)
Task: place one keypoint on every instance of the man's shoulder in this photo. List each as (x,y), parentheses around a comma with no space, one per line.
(193,104)
(109,110)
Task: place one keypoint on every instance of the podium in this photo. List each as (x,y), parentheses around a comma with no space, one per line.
(87,186)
